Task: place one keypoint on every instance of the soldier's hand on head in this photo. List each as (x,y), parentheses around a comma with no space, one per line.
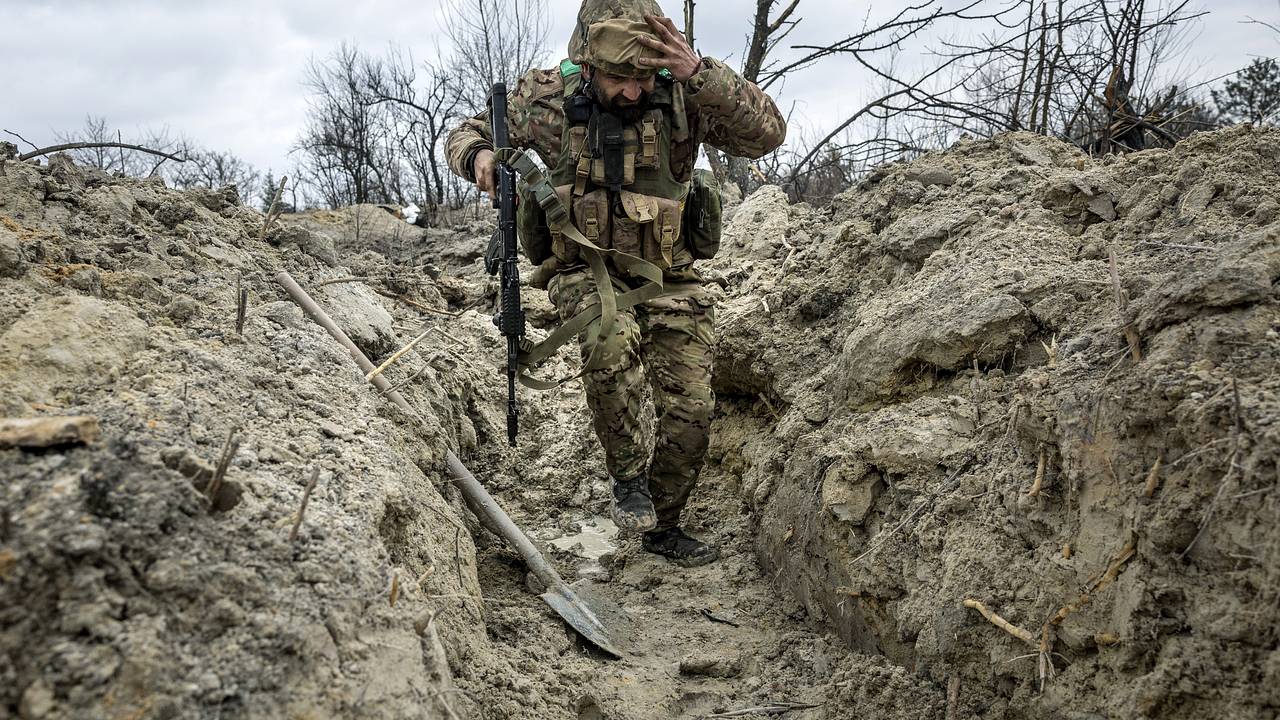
(677,56)
(485,171)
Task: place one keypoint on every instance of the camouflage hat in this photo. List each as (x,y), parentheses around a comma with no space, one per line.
(607,36)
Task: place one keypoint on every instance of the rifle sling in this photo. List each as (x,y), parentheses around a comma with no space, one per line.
(610,302)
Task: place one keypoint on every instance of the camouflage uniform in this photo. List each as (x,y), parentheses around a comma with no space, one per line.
(666,341)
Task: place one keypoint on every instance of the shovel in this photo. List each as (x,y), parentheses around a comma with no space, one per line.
(595,617)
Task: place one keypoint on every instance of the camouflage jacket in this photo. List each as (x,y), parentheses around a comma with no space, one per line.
(724,110)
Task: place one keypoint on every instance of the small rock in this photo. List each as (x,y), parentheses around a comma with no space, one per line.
(182,309)
(12,263)
(711,665)
(86,280)
(932,176)
(314,244)
(48,431)
(37,701)
(332,429)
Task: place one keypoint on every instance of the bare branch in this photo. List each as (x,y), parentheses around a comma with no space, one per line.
(85,145)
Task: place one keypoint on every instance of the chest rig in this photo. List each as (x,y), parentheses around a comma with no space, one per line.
(610,200)
(615,177)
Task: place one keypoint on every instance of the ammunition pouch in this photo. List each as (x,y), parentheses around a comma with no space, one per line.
(702,215)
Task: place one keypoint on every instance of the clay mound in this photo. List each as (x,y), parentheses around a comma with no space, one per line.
(124,591)
(948,332)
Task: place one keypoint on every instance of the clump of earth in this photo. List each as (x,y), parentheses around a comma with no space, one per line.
(941,388)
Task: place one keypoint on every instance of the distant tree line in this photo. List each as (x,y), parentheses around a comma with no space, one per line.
(1100,74)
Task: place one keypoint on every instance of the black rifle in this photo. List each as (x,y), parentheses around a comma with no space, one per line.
(502,257)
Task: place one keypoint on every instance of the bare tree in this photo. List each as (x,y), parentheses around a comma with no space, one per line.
(767,33)
(101,148)
(1094,72)
(424,101)
(345,154)
(494,41)
(212,169)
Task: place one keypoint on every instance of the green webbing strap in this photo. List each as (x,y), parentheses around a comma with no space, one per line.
(610,302)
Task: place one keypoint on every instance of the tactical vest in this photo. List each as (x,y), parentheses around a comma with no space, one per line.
(634,204)
(612,198)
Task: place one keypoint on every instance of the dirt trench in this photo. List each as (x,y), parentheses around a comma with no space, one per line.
(126,592)
(928,393)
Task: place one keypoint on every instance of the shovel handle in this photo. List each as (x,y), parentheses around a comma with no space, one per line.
(496,519)
(478,498)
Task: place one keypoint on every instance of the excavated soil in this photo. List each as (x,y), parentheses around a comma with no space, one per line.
(893,373)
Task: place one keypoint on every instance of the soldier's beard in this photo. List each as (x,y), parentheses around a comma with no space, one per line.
(627,112)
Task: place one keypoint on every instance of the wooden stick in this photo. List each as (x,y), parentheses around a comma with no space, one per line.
(242,305)
(272,215)
(1023,635)
(1153,479)
(302,507)
(1126,553)
(229,449)
(1039,483)
(1122,306)
(401,353)
(773,709)
(84,145)
(953,697)
(339,281)
(394,593)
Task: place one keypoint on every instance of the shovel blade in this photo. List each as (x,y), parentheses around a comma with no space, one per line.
(595,617)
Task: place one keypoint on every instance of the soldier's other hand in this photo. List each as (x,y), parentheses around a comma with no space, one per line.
(677,56)
(485,171)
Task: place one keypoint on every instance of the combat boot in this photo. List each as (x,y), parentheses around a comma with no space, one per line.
(677,546)
(633,506)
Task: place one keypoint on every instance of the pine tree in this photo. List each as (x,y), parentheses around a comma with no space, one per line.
(268,192)
(1253,95)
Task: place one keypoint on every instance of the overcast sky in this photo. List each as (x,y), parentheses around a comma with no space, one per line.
(227,73)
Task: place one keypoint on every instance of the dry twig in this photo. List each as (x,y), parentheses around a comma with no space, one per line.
(425,308)
(302,507)
(399,354)
(1023,635)
(342,280)
(1122,307)
(1153,479)
(1040,468)
(770,709)
(1237,430)
(229,449)
(242,304)
(85,145)
(273,211)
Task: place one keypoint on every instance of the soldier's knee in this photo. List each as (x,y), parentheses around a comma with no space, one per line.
(691,404)
(618,350)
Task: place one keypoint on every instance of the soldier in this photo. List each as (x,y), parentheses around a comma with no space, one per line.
(618,126)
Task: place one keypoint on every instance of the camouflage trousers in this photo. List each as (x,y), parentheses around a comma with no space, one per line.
(667,344)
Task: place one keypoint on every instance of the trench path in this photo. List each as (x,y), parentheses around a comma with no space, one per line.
(705,640)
